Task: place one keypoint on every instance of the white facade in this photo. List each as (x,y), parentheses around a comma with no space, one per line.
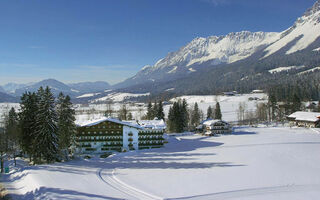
(130,136)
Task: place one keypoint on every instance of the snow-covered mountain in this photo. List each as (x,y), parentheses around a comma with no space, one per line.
(10,88)
(55,86)
(216,50)
(306,29)
(87,87)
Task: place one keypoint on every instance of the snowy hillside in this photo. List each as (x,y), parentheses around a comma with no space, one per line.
(216,49)
(203,55)
(118,97)
(306,27)
(229,104)
(253,163)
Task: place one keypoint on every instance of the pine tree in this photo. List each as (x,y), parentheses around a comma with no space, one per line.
(184,115)
(209,112)
(272,104)
(154,110)
(27,123)
(218,114)
(149,111)
(12,131)
(46,135)
(296,103)
(170,122)
(66,125)
(178,117)
(160,113)
(195,116)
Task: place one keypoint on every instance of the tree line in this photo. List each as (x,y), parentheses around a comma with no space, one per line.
(182,118)
(44,128)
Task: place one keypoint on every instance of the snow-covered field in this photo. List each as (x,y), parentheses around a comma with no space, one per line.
(229,104)
(253,163)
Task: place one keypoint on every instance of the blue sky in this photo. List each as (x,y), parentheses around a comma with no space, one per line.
(110,40)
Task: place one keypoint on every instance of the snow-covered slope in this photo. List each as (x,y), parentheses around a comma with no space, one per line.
(252,164)
(306,28)
(118,97)
(216,49)
(204,53)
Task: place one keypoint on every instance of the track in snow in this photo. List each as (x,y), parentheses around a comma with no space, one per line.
(108,177)
(252,192)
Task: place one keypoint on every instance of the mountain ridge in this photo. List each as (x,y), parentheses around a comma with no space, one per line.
(215,51)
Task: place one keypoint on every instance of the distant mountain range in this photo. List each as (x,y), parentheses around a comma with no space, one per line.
(12,91)
(237,61)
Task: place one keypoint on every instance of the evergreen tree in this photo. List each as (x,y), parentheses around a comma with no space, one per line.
(149,111)
(12,131)
(27,123)
(46,125)
(195,116)
(154,110)
(218,114)
(272,104)
(296,103)
(209,112)
(184,115)
(66,125)
(160,113)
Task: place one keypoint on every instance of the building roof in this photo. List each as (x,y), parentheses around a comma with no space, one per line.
(213,121)
(98,121)
(305,116)
(151,124)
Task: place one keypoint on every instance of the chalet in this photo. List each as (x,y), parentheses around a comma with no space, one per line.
(305,119)
(108,134)
(212,127)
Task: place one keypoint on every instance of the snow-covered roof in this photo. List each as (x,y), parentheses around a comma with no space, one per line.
(150,124)
(213,121)
(98,121)
(305,116)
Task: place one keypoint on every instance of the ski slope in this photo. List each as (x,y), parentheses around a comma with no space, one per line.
(253,163)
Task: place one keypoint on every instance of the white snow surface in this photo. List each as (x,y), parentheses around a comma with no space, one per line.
(310,70)
(306,116)
(280,69)
(317,49)
(173,70)
(228,104)
(253,163)
(88,95)
(118,97)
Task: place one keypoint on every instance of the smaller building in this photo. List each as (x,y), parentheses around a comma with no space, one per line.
(305,119)
(212,127)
